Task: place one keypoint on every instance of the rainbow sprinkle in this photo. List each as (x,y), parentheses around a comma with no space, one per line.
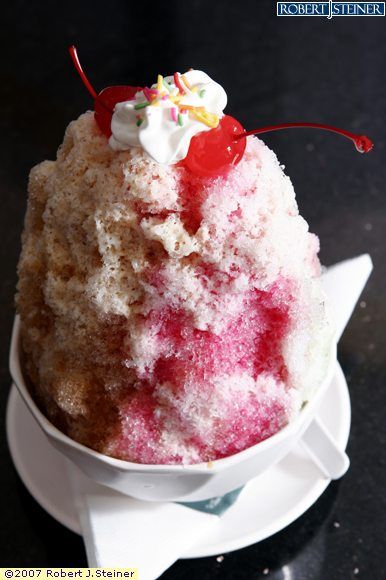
(186,82)
(173,113)
(166,85)
(175,95)
(141,105)
(209,119)
(150,94)
(178,84)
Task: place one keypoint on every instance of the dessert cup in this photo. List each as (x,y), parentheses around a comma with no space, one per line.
(192,482)
(143,287)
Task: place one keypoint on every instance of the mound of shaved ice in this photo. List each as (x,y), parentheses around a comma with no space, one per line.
(168,318)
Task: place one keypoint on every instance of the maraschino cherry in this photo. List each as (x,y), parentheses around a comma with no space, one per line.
(211,153)
(214,152)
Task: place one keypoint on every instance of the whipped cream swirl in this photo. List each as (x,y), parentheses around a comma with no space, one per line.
(163,119)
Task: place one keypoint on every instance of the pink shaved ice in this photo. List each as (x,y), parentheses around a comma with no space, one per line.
(168,318)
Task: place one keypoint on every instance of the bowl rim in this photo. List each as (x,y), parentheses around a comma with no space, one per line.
(119,464)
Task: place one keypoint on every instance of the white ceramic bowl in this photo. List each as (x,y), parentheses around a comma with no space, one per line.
(173,482)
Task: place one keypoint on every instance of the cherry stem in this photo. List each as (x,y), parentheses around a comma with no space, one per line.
(362,143)
(75,59)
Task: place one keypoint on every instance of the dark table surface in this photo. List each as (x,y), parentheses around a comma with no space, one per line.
(274,70)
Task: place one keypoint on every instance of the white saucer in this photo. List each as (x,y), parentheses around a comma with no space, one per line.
(267,504)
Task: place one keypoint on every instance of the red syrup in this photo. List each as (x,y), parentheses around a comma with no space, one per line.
(251,343)
(193,365)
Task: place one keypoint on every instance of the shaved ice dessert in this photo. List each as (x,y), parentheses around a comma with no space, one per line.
(168,316)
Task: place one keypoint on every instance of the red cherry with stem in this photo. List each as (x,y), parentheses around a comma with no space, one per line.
(213,152)
(105,101)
